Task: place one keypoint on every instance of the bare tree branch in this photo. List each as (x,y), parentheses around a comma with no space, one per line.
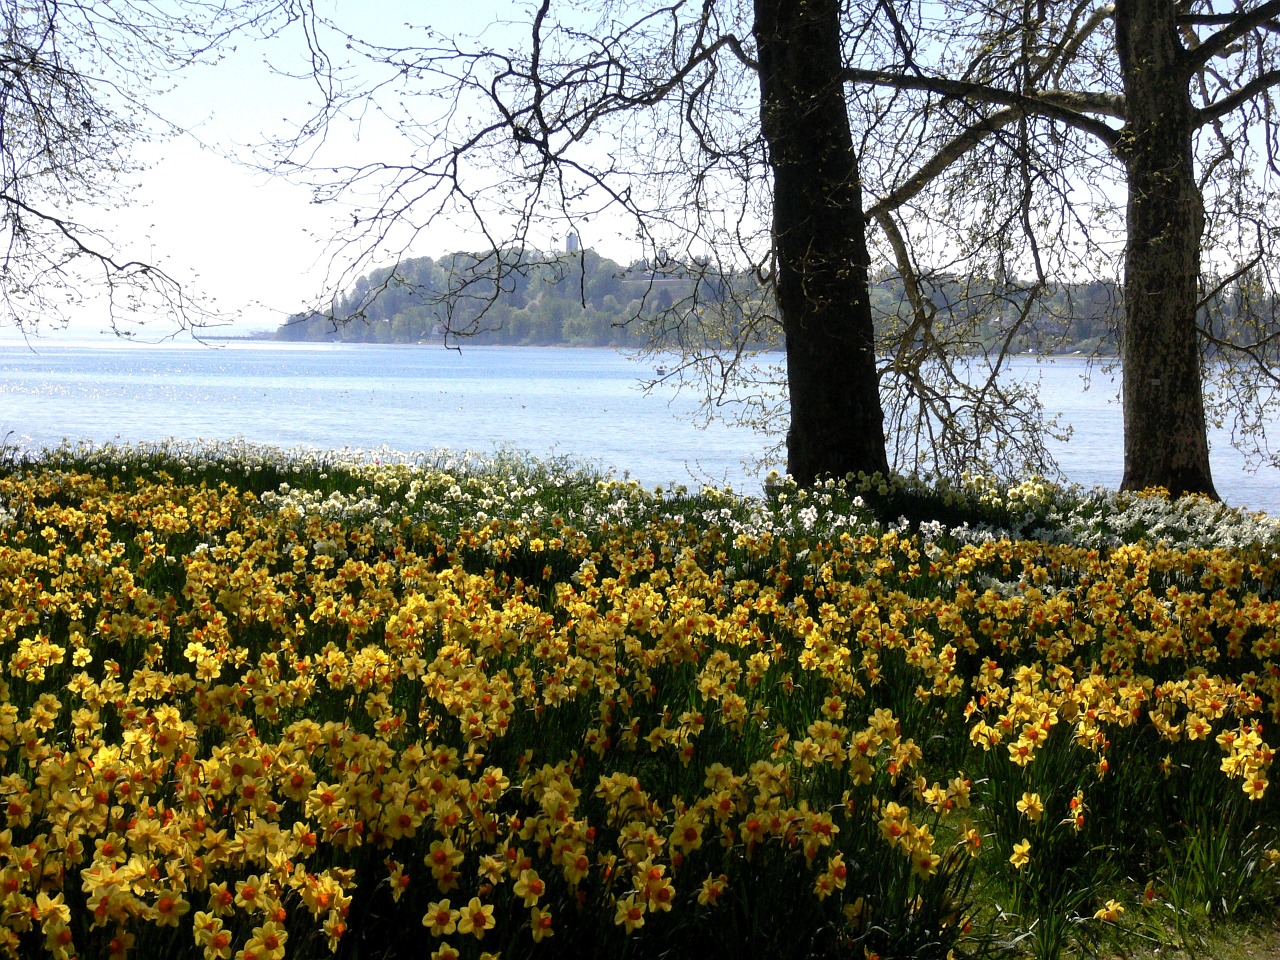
(1237,98)
(76,80)
(1219,43)
(1069,107)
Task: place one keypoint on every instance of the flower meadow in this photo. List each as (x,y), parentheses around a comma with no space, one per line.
(259,704)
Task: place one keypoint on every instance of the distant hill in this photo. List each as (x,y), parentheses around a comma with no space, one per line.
(577,299)
(583,299)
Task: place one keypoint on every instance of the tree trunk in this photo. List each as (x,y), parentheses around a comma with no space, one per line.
(1165,438)
(820,246)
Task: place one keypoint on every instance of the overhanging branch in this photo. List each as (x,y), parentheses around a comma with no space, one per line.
(1071,107)
(1220,108)
(956,148)
(1218,43)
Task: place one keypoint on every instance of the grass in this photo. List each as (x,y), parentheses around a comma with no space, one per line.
(260,704)
(1254,938)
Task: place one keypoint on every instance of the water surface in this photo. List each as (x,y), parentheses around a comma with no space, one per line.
(582,403)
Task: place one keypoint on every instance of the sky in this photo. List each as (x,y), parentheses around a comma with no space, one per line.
(253,245)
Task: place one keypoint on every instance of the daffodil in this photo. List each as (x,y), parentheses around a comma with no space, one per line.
(1031,806)
(540,925)
(629,913)
(530,887)
(1110,912)
(1021,855)
(441,919)
(475,918)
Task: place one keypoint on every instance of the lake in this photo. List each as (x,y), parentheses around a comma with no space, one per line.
(582,403)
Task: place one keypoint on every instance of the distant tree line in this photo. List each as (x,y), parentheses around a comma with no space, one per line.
(582,299)
(573,299)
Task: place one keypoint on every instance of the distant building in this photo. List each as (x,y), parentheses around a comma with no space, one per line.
(571,244)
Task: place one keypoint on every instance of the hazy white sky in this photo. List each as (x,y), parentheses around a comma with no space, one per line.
(253,244)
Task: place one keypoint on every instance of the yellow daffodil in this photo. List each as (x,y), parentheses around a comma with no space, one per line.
(1021,855)
(441,919)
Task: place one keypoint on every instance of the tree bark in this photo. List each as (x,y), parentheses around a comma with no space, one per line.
(1165,438)
(820,247)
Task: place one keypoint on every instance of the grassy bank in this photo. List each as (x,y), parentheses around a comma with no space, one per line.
(260,704)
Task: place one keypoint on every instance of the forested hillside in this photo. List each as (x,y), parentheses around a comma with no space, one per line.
(579,299)
(586,300)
